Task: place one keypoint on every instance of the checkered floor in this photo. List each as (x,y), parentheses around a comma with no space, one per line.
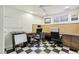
(45,48)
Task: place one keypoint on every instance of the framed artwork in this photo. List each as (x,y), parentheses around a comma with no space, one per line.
(64,18)
(74,16)
(47,20)
(56,19)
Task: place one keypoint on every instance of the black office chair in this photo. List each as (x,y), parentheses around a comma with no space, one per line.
(38,37)
(37,40)
(56,39)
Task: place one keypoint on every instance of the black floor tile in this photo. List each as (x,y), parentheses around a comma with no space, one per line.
(52,46)
(38,51)
(45,46)
(65,50)
(28,51)
(19,51)
(56,50)
(74,50)
(47,50)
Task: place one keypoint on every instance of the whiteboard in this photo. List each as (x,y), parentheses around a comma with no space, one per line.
(20,38)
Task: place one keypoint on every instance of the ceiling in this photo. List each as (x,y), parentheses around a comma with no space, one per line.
(43,10)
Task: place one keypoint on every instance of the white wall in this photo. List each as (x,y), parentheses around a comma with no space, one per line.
(17,20)
(1,29)
(67,12)
(28,20)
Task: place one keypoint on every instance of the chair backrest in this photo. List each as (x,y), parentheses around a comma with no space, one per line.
(38,31)
(55,35)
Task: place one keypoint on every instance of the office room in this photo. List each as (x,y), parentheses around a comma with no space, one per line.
(41,29)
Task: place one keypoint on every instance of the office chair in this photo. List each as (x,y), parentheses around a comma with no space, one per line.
(30,41)
(37,40)
(38,36)
(56,39)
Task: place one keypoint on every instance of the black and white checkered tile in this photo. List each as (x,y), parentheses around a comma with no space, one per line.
(45,48)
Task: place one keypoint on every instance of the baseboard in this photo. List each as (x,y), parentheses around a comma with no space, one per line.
(9,51)
(75,50)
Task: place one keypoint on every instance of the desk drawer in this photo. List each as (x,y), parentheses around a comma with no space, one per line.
(68,44)
(66,38)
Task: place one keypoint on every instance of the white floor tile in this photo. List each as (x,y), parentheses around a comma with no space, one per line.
(66,48)
(33,52)
(45,42)
(23,53)
(59,48)
(41,45)
(26,48)
(52,52)
(41,48)
(33,48)
(48,44)
(43,52)
(61,52)
(50,48)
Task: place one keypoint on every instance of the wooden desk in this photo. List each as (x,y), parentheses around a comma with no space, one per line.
(71,40)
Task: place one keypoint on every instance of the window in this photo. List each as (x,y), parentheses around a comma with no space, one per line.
(64,18)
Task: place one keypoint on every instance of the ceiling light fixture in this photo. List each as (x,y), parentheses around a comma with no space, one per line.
(66,7)
(31,11)
(44,14)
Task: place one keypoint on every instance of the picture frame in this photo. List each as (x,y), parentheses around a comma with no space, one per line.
(47,20)
(74,16)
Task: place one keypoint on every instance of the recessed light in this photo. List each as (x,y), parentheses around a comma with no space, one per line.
(66,7)
(44,13)
(29,15)
(31,11)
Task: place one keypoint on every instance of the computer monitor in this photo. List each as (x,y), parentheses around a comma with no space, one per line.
(20,38)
